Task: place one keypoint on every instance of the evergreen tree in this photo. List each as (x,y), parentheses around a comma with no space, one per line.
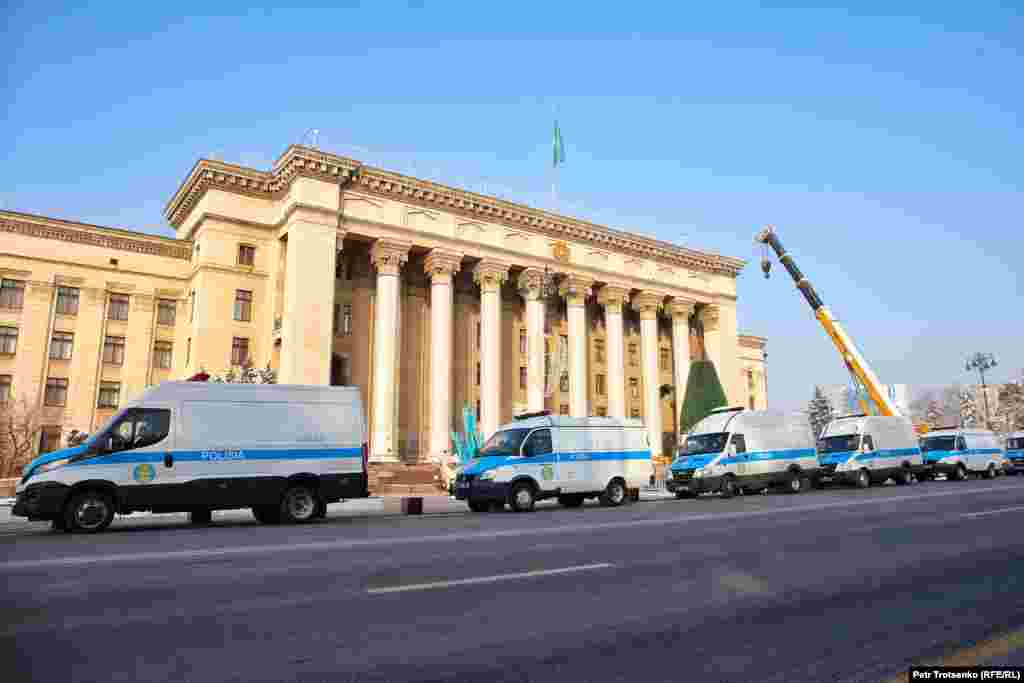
(819,411)
(704,393)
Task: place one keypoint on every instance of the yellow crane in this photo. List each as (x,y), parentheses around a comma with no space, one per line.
(855,363)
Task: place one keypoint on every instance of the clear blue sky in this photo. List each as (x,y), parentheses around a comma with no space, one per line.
(886,147)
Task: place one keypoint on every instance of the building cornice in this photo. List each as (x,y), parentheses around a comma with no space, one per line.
(41,227)
(299,161)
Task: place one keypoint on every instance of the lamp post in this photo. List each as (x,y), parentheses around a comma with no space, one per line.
(982,362)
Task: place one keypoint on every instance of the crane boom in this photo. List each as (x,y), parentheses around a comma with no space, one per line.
(851,356)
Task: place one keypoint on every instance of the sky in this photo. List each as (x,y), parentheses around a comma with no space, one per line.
(882,140)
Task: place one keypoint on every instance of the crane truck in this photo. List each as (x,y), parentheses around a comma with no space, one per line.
(855,363)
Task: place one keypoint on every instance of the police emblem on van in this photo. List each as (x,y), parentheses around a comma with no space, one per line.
(144,473)
(547,472)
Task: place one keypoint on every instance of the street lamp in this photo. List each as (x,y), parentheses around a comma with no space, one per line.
(982,362)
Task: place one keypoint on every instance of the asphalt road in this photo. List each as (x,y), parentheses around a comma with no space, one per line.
(825,586)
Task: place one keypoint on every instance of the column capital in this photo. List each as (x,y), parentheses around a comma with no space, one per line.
(441,264)
(709,316)
(531,284)
(681,307)
(389,256)
(648,304)
(490,275)
(612,296)
(575,289)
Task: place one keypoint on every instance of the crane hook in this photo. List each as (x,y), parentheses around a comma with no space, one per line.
(766,264)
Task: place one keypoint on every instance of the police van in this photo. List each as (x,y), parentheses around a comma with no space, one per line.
(736,449)
(285,451)
(867,449)
(1015,453)
(540,456)
(959,452)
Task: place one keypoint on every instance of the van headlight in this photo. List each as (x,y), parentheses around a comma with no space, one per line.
(46,467)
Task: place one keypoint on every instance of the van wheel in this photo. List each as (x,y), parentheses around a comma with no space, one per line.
(199,517)
(990,472)
(299,504)
(960,473)
(795,483)
(267,514)
(862,479)
(903,477)
(728,487)
(89,512)
(571,501)
(614,494)
(479,505)
(522,498)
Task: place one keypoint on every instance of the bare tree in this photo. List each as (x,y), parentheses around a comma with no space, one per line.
(19,435)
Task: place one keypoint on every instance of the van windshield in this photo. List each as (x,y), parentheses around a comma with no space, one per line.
(706,443)
(840,442)
(504,443)
(938,443)
(1015,444)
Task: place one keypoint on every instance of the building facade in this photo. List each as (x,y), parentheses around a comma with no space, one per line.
(427,297)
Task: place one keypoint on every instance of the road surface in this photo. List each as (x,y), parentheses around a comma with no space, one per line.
(840,585)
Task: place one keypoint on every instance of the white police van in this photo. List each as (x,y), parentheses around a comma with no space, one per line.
(959,452)
(866,449)
(1015,453)
(734,449)
(285,451)
(540,456)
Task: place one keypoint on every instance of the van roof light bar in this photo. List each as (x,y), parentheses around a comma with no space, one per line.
(527,416)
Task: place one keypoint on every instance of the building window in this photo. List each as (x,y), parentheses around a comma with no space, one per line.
(635,413)
(752,403)
(243,305)
(563,351)
(522,376)
(478,332)
(166,311)
(246,255)
(598,350)
(8,340)
(188,351)
(67,301)
(602,411)
(343,319)
(634,387)
(49,439)
(563,382)
(563,409)
(12,294)
(478,374)
(665,359)
(56,391)
(239,350)
(110,395)
(192,306)
(162,353)
(5,388)
(599,385)
(632,354)
(118,307)
(750,380)
(113,351)
(522,341)
(60,345)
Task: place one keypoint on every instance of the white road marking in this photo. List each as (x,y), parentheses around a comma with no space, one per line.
(487,579)
(993,512)
(462,537)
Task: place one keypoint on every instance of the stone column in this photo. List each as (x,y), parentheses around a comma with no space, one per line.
(440,266)
(576,290)
(388,258)
(490,275)
(612,297)
(710,319)
(531,287)
(648,304)
(681,309)
(307,318)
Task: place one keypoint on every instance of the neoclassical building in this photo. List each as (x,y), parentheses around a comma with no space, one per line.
(427,297)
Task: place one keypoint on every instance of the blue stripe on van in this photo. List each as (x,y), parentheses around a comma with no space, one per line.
(762,456)
(842,456)
(556,457)
(935,456)
(223,455)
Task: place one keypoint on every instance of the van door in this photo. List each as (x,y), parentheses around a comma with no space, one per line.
(137,454)
(539,460)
